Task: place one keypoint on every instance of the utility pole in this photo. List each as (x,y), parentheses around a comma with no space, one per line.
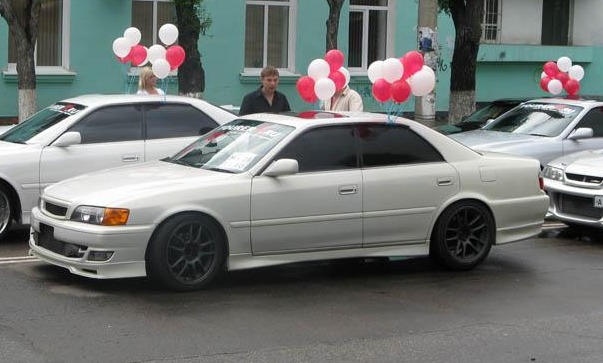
(425,109)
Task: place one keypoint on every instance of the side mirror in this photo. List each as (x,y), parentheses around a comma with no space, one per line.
(68,139)
(282,167)
(581,133)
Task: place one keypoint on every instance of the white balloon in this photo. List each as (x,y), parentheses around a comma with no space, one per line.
(422,82)
(555,87)
(564,64)
(318,69)
(155,53)
(133,35)
(324,88)
(168,33)
(375,71)
(576,72)
(346,73)
(543,74)
(428,69)
(392,69)
(161,68)
(121,47)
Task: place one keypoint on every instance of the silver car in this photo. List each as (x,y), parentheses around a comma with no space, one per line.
(575,187)
(542,128)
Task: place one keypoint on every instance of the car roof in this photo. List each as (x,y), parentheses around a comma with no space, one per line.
(313,118)
(92,100)
(581,100)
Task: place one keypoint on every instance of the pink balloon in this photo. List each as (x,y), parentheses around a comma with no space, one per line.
(412,62)
(572,86)
(544,83)
(125,59)
(138,55)
(563,77)
(305,88)
(381,90)
(400,91)
(335,59)
(551,69)
(339,79)
(175,56)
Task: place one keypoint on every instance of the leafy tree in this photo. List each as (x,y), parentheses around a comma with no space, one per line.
(22,17)
(333,23)
(467,16)
(193,20)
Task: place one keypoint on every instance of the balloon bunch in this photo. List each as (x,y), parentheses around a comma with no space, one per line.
(127,49)
(396,78)
(561,75)
(325,77)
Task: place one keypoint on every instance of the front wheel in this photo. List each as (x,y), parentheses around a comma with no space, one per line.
(5,212)
(463,235)
(186,253)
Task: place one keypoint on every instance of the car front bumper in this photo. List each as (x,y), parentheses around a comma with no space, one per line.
(574,205)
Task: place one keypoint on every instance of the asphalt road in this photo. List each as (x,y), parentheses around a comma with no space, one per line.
(539,300)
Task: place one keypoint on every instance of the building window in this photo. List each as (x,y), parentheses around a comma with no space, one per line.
(555,22)
(492,20)
(52,43)
(149,15)
(269,33)
(368,32)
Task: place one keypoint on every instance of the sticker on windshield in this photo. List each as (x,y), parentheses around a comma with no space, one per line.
(67,109)
(562,109)
(238,161)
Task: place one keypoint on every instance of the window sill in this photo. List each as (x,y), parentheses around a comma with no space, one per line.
(43,75)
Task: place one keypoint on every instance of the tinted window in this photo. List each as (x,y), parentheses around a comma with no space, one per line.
(384,145)
(594,120)
(324,148)
(165,120)
(111,124)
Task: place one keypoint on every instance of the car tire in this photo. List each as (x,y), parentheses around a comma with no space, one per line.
(6,217)
(463,235)
(186,252)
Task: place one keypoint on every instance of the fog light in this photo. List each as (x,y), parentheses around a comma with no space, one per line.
(99,255)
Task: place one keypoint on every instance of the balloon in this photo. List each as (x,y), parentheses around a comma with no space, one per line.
(335,59)
(138,55)
(422,82)
(555,87)
(564,64)
(125,59)
(324,88)
(121,47)
(576,72)
(544,83)
(319,68)
(168,33)
(572,87)
(412,62)
(305,86)
(400,91)
(543,74)
(392,69)
(133,36)
(311,98)
(339,79)
(146,60)
(375,71)
(551,69)
(161,68)
(156,52)
(346,73)
(381,90)
(563,77)
(175,56)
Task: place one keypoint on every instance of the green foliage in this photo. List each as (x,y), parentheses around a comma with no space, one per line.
(445,5)
(202,21)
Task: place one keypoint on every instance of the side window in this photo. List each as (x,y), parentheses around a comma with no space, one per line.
(323,148)
(594,120)
(111,124)
(384,145)
(165,121)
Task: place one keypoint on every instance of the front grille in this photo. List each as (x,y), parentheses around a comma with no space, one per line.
(596,180)
(55,209)
(45,239)
(578,206)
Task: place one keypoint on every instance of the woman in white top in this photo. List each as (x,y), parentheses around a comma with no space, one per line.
(146,83)
(345,99)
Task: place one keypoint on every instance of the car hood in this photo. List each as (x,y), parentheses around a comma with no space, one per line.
(493,140)
(111,186)
(589,162)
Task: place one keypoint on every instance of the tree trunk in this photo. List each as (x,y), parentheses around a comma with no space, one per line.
(467,20)
(333,23)
(191,75)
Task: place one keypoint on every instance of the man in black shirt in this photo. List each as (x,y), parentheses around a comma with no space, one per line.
(266,98)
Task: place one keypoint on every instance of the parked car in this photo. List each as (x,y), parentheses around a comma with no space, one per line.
(574,184)
(481,116)
(90,133)
(4,128)
(273,189)
(545,129)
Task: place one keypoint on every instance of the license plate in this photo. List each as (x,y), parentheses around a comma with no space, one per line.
(598,201)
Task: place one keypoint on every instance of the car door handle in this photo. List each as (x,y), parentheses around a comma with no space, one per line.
(130,158)
(444,181)
(348,189)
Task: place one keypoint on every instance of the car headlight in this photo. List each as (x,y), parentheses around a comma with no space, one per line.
(550,172)
(100,215)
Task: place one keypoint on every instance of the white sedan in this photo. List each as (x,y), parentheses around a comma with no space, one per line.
(93,132)
(273,189)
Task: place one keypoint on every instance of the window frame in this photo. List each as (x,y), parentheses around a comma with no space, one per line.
(496,26)
(155,38)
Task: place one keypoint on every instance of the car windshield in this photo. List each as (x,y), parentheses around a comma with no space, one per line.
(41,121)
(234,147)
(491,111)
(542,119)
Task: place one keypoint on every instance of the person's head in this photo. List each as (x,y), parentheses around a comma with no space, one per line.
(147,79)
(269,77)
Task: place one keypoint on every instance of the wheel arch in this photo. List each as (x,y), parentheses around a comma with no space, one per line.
(452,204)
(15,199)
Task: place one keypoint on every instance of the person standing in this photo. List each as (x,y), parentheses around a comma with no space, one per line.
(346,99)
(147,83)
(266,98)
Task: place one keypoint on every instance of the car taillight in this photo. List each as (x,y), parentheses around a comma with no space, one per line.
(541,183)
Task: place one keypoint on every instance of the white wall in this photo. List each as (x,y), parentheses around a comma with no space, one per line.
(521,21)
(588,27)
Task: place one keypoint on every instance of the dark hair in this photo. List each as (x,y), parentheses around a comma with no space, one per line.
(269,71)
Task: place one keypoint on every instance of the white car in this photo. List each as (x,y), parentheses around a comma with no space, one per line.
(273,189)
(93,132)
(574,184)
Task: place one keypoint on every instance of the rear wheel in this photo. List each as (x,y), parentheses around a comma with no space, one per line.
(186,253)
(463,235)
(5,211)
